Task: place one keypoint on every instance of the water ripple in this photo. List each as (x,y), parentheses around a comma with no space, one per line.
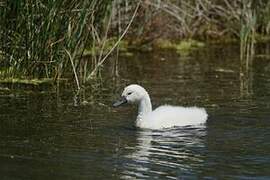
(160,152)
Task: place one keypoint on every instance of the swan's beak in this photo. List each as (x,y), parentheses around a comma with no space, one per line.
(121,101)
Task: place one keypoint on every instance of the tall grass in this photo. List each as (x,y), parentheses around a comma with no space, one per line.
(248,31)
(249,23)
(48,38)
(35,34)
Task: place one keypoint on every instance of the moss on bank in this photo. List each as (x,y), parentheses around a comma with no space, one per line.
(183,46)
(106,46)
(35,82)
(180,46)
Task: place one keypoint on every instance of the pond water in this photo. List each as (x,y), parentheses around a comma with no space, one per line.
(49,133)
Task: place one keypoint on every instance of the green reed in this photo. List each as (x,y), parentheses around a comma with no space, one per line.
(40,38)
(248,31)
(49,39)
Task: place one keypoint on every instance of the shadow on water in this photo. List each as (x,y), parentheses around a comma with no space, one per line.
(58,134)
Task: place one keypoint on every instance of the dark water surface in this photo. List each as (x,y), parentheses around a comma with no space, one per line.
(45,135)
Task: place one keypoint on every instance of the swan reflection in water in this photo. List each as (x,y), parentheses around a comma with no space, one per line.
(168,153)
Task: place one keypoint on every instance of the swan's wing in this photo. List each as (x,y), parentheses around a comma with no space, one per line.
(169,116)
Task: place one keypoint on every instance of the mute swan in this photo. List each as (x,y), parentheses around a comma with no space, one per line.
(164,116)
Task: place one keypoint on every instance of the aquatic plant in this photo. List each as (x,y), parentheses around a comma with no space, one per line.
(247,32)
(34,35)
(48,39)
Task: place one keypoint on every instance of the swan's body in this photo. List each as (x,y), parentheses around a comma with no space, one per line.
(164,116)
(168,116)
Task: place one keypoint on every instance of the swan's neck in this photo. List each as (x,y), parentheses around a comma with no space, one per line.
(145,107)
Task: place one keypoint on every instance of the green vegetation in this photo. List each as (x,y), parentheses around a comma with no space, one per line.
(55,38)
(27,81)
(122,46)
(48,39)
(181,47)
(35,36)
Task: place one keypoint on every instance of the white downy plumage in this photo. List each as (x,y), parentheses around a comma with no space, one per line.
(164,116)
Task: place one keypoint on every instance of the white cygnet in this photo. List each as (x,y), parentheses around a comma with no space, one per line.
(164,116)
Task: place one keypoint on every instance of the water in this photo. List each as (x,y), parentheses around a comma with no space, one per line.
(46,133)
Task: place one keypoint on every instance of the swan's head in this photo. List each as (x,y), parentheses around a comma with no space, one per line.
(132,94)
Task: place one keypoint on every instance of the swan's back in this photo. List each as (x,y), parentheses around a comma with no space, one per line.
(169,116)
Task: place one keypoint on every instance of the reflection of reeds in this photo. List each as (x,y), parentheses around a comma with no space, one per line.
(246,76)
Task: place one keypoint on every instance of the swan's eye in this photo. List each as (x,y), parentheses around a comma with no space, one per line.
(129,93)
